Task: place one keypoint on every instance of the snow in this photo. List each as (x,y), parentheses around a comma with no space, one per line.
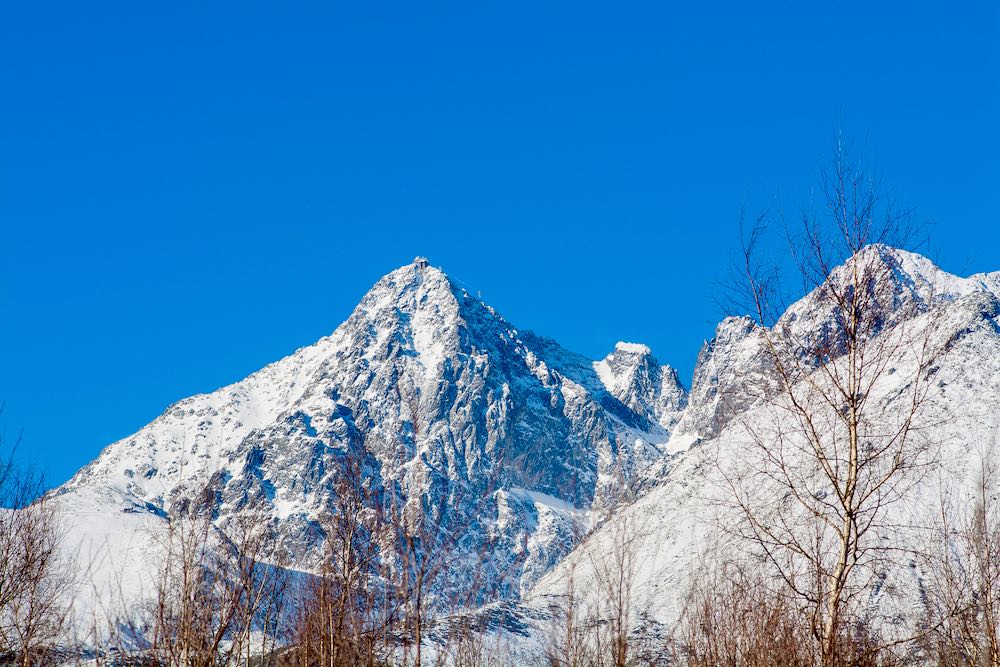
(115,552)
(632,348)
(546,501)
(680,442)
(606,375)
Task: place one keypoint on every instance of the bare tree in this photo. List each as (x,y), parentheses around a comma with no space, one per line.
(594,626)
(826,443)
(36,576)
(963,592)
(349,613)
(425,534)
(391,559)
(428,553)
(731,617)
(615,570)
(570,643)
(216,589)
(255,566)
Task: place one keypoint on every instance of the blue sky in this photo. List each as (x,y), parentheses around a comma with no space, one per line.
(190,191)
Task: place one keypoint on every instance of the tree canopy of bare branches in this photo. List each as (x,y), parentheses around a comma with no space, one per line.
(36,577)
(828,461)
(963,591)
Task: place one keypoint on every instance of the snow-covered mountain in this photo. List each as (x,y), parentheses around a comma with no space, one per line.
(678,524)
(530,446)
(634,377)
(733,368)
(522,440)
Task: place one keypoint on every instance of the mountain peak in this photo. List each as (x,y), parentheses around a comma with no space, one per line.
(633,376)
(413,287)
(911,273)
(419,268)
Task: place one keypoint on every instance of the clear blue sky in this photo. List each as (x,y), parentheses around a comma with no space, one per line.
(188,192)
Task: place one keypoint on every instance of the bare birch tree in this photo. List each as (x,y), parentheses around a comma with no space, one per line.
(568,643)
(594,621)
(731,617)
(615,570)
(216,590)
(425,536)
(827,460)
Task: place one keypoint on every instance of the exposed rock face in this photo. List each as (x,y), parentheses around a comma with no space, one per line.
(727,377)
(635,378)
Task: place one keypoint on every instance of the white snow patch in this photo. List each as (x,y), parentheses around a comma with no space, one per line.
(634,348)
(545,501)
(680,442)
